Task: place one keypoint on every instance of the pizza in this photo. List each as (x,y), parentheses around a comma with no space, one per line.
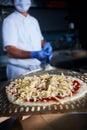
(45,89)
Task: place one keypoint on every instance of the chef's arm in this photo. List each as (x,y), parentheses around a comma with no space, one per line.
(14,52)
(17,53)
(43,42)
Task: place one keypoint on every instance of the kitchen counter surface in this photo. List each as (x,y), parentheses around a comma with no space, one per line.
(68,55)
(71,121)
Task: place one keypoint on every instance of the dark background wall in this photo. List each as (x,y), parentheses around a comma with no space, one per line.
(77,12)
(51,19)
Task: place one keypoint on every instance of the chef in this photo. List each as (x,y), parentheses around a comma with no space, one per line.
(23,41)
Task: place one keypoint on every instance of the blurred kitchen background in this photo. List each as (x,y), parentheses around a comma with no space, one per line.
(63,23)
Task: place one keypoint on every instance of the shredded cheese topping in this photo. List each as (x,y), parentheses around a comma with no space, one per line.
(42,86)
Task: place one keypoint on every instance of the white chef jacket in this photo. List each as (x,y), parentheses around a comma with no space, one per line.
(23,33)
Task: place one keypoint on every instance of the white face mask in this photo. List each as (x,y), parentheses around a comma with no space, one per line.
(22,5)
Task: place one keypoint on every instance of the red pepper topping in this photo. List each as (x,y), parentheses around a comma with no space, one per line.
(76,86)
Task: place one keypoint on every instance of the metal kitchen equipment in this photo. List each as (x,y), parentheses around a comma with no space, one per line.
(9,109)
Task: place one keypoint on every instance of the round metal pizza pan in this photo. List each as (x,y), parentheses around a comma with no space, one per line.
(9,109)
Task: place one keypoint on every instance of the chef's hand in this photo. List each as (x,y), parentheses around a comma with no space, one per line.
(38,54)
(48,48)
(48,52)
(48,58)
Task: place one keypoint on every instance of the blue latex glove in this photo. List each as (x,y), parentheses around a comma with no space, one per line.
(48,48)
(48,52)
(40,55)
(48,58)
